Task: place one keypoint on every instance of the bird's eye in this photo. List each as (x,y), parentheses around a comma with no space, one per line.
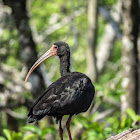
(55,46)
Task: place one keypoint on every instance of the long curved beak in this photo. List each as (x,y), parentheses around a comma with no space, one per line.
(48,54)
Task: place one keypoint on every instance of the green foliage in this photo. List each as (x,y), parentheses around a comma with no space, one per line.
(107,3)
(110,125)
(11,135)
(2,138)
(28,132)
(92,130)
(135,118)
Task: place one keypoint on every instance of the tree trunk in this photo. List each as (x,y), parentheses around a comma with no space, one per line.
(109,37)
(12,123)
(28,51)
(139,74)
(130,81)
(92,36)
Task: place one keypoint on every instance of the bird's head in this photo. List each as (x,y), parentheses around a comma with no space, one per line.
(62,48)
(59,48)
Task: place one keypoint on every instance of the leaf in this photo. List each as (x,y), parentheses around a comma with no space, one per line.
(33,129)
(123,122)
(131,114)
(2,138)
(7,134)
(137,118)
(16,135)
(50,130)
(29,137)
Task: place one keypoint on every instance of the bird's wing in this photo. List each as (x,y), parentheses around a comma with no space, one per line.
(62,93)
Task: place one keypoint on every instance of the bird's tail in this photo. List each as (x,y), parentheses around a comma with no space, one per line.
(33,118)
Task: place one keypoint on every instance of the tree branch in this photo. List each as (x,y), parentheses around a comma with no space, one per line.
(14,114)
(129,134)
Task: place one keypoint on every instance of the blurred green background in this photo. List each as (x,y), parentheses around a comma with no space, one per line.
(44,22)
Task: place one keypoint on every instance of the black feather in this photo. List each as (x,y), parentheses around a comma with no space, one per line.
(69,95)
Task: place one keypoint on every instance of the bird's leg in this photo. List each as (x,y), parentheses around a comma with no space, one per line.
(68,127)
(60,130)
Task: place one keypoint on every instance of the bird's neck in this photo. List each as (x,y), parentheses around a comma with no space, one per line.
(64,65)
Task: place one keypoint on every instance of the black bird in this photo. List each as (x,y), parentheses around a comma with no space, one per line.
(69,95)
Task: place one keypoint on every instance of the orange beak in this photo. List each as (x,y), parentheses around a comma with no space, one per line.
(52,51)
